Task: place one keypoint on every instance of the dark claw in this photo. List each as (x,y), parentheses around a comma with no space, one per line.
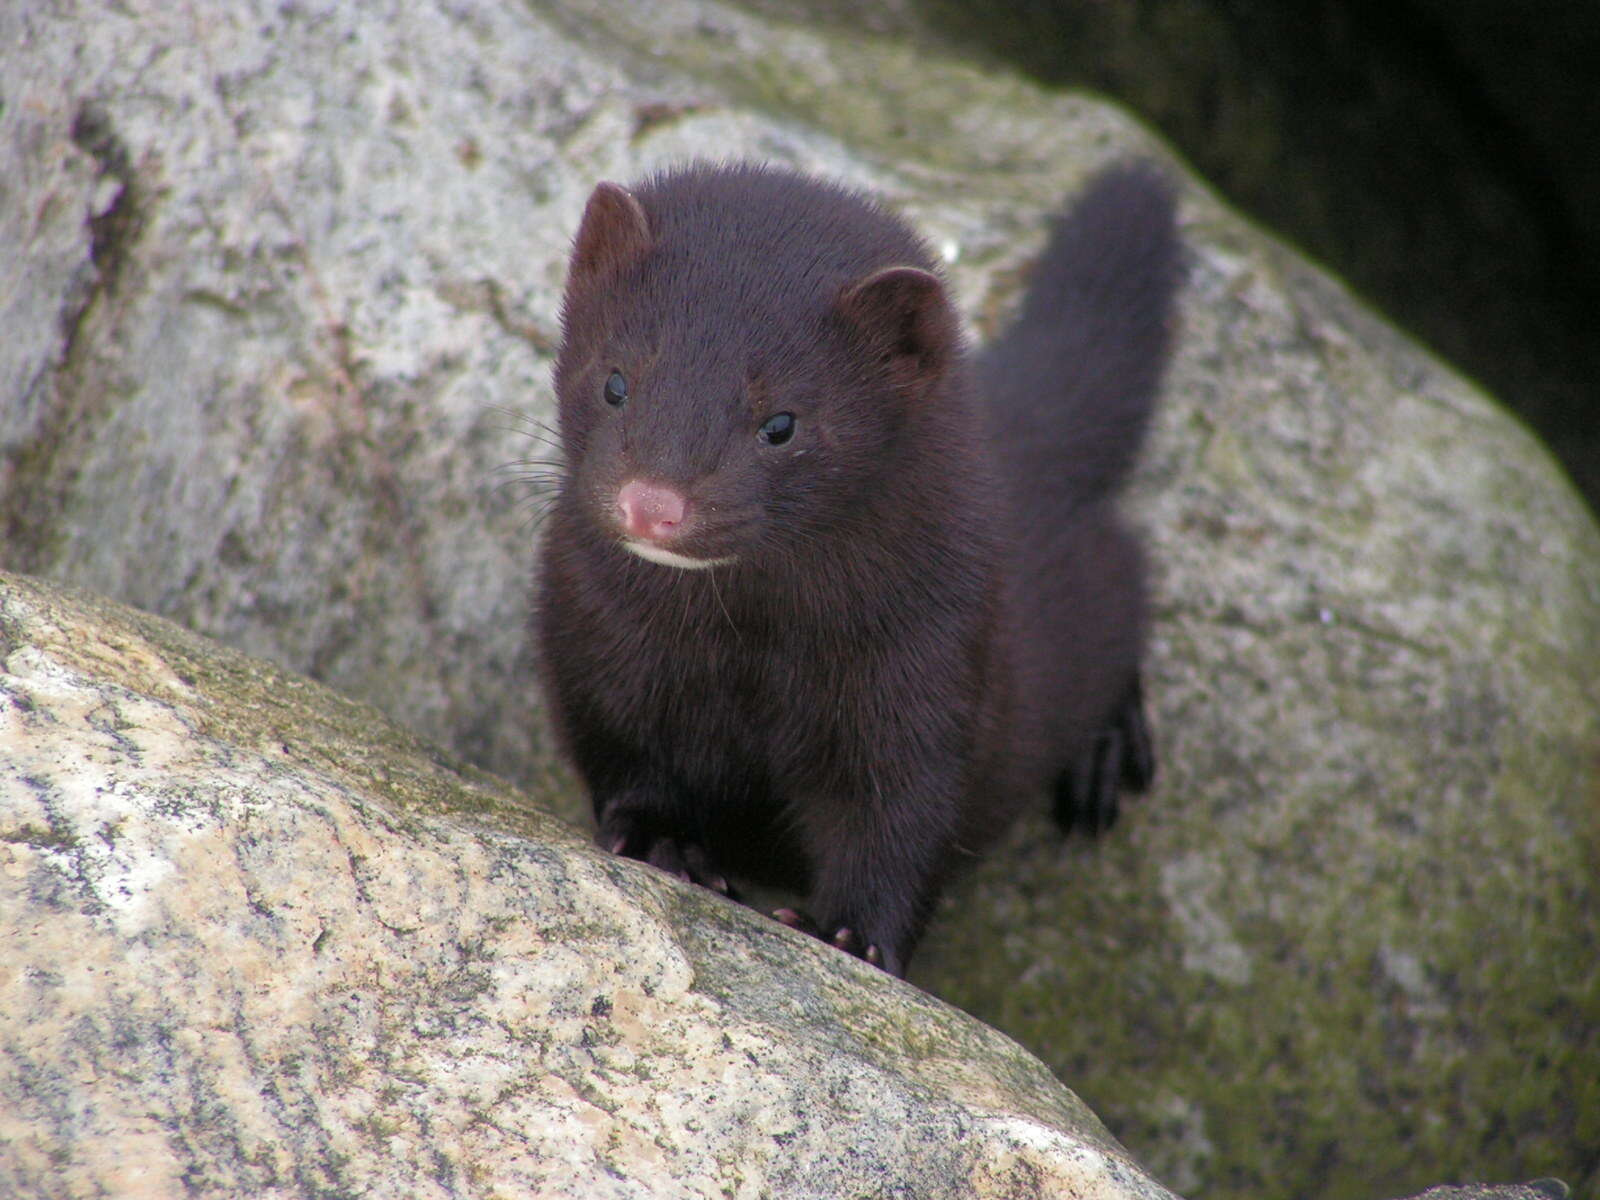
(795,919)
(1122,756)
(844,938)
(1139,752)
(1086,796)
(665,855)
(624,836)
(704,872)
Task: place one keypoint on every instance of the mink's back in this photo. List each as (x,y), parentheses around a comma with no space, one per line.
(1071,387)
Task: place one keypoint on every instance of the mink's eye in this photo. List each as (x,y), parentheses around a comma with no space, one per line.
(616,389)
(777,430)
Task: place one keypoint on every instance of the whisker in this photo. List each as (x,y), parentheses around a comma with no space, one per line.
(715,591)
(544,474)
(538,510)
(530,462)
(535,490)
(526,425)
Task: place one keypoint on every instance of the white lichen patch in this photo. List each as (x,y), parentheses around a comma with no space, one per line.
(1190,887)
(1035,1159)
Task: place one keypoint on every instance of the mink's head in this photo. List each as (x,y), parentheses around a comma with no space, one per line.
(744,350)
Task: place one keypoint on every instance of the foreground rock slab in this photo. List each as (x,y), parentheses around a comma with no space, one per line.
(258,941)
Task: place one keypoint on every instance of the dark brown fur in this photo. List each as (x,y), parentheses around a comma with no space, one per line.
(934,612)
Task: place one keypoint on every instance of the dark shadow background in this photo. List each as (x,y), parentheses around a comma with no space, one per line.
(1443,156)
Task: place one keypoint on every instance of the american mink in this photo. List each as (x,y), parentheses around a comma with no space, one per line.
(810,613)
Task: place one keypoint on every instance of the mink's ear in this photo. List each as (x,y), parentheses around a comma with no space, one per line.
(612,236)
(904,315)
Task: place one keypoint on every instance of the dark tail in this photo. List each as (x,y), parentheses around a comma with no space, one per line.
(1073,381)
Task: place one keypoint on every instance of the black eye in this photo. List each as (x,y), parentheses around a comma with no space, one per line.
(777,430)
(616,389)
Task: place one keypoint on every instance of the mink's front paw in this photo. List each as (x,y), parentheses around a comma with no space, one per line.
(1122,756)
(843,938)
(623,834)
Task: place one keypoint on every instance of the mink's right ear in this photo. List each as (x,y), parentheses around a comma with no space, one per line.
(612,236)
(904,315)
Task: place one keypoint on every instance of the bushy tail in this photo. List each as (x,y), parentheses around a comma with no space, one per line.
(1072,383)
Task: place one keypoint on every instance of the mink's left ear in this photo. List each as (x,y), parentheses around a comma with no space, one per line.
(613,235)
(903,314)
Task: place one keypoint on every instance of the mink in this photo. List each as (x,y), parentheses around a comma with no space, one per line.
(825,599)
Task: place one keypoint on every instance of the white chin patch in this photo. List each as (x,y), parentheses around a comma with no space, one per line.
(667,558)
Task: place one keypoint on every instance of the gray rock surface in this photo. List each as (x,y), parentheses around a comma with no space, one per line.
(260,942)
(281,285)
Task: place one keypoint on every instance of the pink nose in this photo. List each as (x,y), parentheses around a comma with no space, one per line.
(650,511)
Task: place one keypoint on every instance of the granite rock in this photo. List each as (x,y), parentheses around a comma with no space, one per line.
(259,941)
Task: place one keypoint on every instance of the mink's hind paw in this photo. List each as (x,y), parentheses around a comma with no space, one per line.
(1122,756)
(843,938)
(688,860)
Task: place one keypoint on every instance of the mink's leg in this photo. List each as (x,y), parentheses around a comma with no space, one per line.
(876,872)
(1121,756)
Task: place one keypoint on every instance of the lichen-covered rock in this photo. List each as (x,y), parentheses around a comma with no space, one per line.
(1352,942)
(259,942)
(284,289)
